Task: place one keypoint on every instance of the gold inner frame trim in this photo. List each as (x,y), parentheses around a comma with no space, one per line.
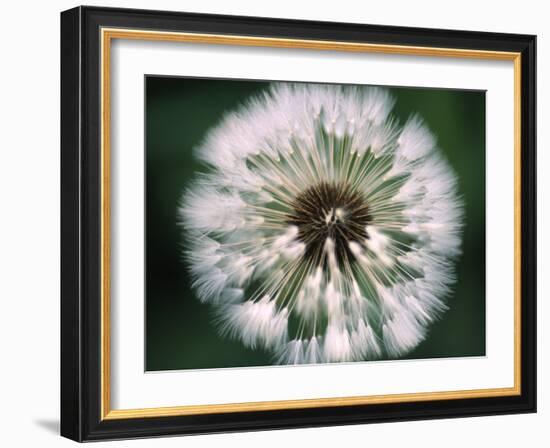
(107,35)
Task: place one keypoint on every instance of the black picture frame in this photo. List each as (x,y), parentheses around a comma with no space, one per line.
(81,382)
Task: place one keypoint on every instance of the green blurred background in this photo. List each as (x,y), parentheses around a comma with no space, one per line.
(180,111)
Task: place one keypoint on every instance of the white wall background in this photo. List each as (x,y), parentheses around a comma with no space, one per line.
(29,220)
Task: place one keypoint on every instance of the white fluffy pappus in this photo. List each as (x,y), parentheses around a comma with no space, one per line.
(322,230)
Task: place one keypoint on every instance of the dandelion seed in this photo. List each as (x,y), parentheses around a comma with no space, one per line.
(323,231)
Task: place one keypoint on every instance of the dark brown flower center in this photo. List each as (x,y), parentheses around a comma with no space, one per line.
(330,210)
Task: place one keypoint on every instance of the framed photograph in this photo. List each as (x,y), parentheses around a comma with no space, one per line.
(274,224)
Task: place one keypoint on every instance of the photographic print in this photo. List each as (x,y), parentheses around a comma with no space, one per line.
(299,223)
(343,212)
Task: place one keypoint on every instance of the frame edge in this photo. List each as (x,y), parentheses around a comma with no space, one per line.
(71,379)
(529,222)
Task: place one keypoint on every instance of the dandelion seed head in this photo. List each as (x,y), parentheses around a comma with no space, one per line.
(322,230)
